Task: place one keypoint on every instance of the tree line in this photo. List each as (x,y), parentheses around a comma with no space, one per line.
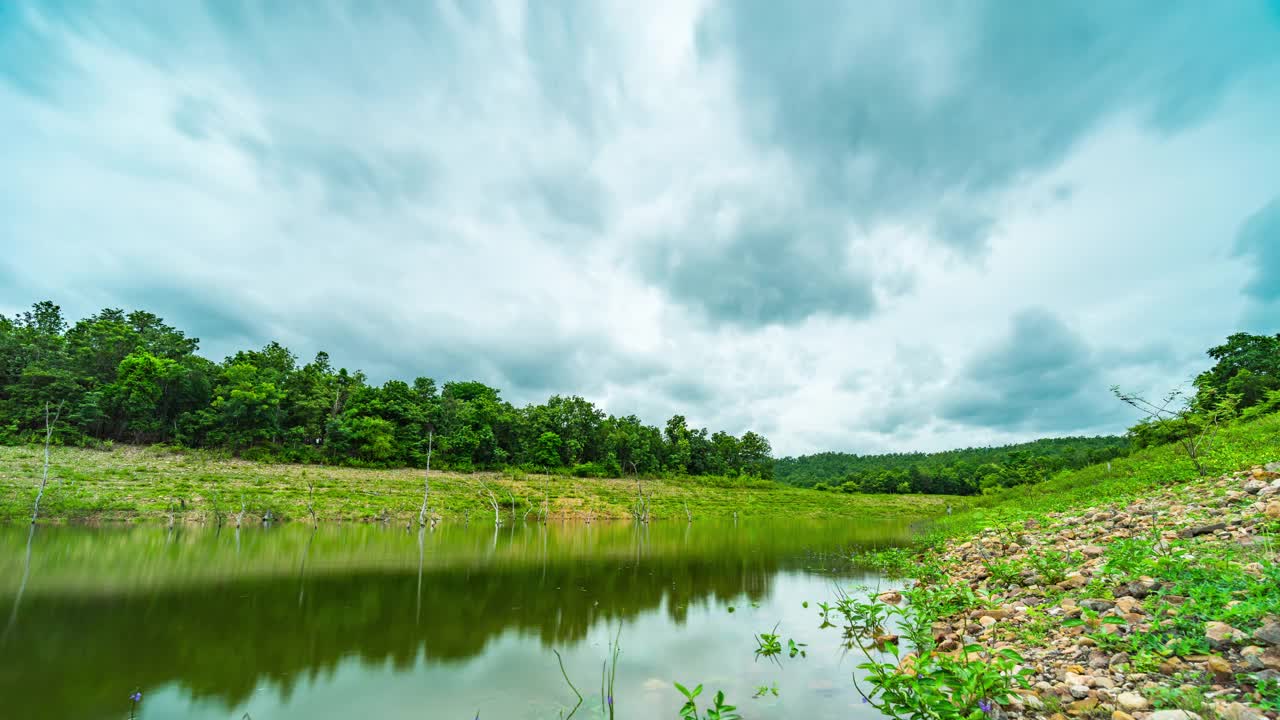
(1243,384)
(130,377)
(967,471)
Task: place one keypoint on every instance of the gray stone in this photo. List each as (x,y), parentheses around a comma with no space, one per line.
(1269,633)
(1201,530)
(1272,466)
(1173,715)
(1097,605)
(1131,701)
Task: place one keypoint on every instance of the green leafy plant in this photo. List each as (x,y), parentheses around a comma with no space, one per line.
(719,709)
(924,683)
(764,690)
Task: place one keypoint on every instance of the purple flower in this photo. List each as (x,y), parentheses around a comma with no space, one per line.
(136,696)
(985,706)
(610,701)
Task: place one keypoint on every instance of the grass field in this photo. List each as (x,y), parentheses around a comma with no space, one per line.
(128,483)
(1236,447)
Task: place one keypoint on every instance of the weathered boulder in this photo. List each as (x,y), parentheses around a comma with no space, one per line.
(1131,701)
(1221,635)
(892,597)
(1199,530)
(1268,634)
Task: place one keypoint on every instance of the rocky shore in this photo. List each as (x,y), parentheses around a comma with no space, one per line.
(1164,609)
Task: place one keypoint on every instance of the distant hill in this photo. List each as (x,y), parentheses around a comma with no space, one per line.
(966,471)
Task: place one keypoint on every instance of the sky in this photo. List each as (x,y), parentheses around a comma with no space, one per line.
(866,227)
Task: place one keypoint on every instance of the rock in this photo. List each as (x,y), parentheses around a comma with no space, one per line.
(1093,551)
(1221,635)
(1097,605)
(1137,589)
(1268,634)
(1201,530)
(1128,604)
(1131,701)
(1271,658)
(1120,715)
(1083,706)
(986,621)
(1272,510)
(1078,691)
(1218,666)
(1253,657)
(1075,582)
(893,597)
(1239,711)
(1253,486)
(1173,715)
(1120,658)
(1272,466)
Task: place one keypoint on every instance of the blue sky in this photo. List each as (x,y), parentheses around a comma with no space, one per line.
(862,226)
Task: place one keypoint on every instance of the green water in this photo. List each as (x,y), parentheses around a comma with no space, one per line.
(379,622)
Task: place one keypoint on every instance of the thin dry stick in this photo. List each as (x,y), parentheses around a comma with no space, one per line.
(426,481)
(687,514)
(48,437)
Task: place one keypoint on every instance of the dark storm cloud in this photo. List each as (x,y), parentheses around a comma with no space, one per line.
(955,102)
(1259,241)
(774,271)
(1041,376)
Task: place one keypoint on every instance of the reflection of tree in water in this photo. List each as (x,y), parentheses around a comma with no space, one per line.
(223,642)
(220,640)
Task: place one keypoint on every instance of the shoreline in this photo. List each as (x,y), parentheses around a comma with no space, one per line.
(1166,607)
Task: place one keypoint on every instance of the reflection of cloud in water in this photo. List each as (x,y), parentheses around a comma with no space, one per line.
(221,635)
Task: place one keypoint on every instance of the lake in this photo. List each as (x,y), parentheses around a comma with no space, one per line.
(371,621)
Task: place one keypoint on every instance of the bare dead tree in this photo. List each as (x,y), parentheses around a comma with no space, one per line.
(48,438)
(493,500)
(217,510)
(1194,429)
(240,515)
(426,482)
(311,502)
(687,514)
(641,509)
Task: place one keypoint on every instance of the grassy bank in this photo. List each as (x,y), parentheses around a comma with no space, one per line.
(1120,592)
(128,483)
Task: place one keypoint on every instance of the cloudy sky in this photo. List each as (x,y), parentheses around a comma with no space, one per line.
(861,226)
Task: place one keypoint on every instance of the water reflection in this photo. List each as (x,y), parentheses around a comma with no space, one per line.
(202,620)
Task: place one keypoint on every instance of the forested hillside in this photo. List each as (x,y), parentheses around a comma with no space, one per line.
(955,472)
(1243,383)
(130,377)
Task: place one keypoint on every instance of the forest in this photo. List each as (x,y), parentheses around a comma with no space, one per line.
(1243,383)
(132,378)
(968,471)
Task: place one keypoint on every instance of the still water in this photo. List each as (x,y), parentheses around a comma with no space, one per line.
(378,622)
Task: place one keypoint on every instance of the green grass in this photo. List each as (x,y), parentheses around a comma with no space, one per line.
(128,483)
(1237,447)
